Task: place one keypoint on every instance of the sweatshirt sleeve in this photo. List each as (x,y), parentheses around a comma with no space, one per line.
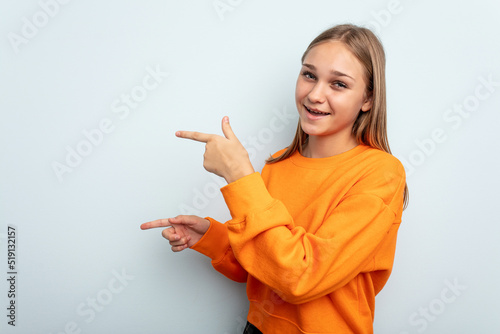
(215,245)
(298,265)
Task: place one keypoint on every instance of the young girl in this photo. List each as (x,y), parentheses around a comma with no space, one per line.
(314,234)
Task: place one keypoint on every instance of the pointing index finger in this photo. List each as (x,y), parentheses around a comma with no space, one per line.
(156,223)
(198,136)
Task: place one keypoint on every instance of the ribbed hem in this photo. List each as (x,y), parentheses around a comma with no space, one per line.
(212,244)
(321,163)
(246,195)
(269,323)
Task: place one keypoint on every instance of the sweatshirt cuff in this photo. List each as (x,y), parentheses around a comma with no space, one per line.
(246,195)
(214,242)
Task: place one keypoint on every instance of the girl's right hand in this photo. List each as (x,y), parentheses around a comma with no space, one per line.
(182,231)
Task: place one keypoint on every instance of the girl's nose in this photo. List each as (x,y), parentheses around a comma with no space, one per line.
(316,95)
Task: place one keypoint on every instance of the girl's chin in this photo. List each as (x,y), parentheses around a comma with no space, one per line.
(311,130)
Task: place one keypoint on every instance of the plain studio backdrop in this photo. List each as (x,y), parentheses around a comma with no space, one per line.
(92,93)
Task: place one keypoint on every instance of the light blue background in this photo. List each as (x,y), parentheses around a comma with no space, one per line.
(75,235)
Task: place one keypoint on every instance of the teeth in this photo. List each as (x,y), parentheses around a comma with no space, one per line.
(317,112)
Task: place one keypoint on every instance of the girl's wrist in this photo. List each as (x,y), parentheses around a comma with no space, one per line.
(238,174)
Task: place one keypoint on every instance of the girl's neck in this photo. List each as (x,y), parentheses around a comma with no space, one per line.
(321,147)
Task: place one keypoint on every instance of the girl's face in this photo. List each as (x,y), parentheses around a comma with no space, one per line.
(330,92)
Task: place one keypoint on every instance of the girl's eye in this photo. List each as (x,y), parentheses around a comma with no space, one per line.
(308,75)
(339,84)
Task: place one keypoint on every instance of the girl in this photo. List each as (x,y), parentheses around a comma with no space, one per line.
(314,234)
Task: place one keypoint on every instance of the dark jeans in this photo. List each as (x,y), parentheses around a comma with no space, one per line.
(251,329)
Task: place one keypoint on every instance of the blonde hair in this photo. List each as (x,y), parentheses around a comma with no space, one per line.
(369,128)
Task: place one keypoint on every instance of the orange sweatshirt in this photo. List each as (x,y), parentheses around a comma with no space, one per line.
(314,239)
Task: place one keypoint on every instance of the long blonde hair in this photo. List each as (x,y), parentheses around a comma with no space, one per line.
(370,128)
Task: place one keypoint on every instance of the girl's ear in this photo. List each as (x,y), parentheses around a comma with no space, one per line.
(368,104)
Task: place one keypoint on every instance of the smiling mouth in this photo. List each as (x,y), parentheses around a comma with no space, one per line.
(317,112)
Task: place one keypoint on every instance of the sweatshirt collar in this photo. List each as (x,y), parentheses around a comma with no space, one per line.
(318,163)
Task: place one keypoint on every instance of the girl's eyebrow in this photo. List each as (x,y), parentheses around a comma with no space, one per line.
(337,73)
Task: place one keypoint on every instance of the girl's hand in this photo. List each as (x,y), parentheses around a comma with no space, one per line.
(224,156)
(182,232)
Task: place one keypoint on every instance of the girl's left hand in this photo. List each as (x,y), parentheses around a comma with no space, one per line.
(224,156)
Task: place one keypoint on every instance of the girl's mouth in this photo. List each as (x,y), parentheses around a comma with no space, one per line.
(316,112)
